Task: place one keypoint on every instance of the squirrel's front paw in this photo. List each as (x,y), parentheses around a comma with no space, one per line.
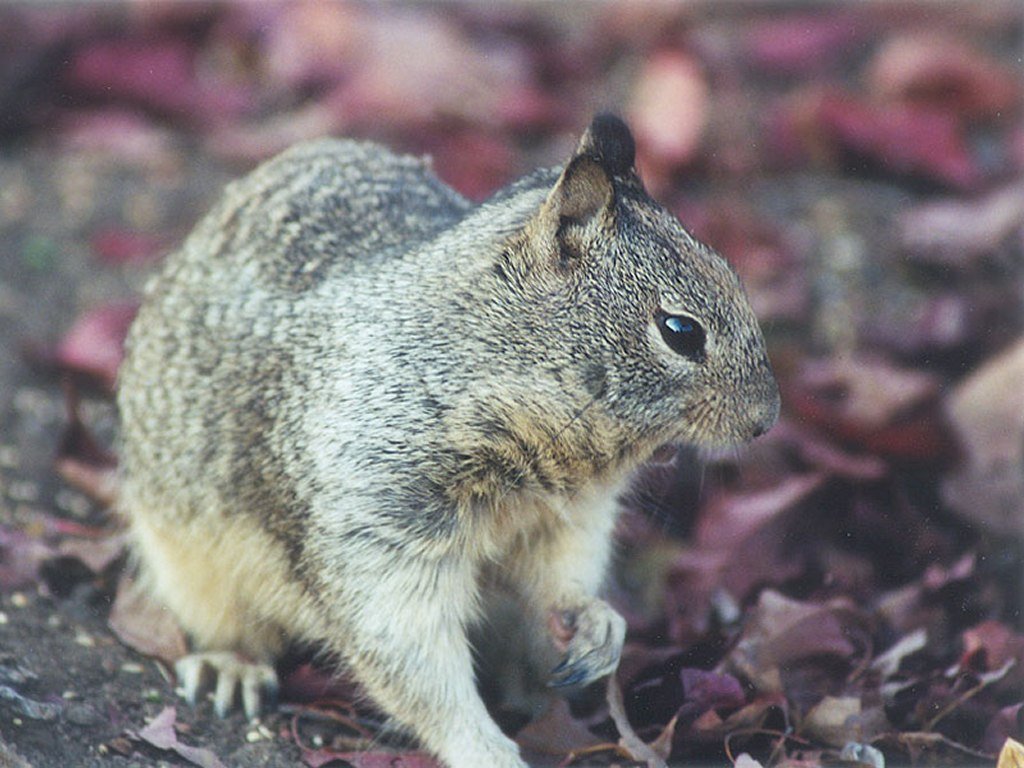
(197,671)
(591,636)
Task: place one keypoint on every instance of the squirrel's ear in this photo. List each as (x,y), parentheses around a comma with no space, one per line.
(585,191)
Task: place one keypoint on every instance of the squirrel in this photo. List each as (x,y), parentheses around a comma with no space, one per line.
(357,409)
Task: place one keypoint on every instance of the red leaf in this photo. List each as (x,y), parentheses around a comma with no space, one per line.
(958,232)
(942,71)
(114,246)
(905,140)
(703,690)
(94,345)
(869,402)
(160,733)
(803,42)
(156,74)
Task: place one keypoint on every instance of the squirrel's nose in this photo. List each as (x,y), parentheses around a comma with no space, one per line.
(768,413)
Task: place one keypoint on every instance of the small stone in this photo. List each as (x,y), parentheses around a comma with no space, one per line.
(8,456)
(74,503)
(53,621)
(17,721)
(132,668)
(3,618)
(19,600)
(23,490)
(82,714)
(85,640)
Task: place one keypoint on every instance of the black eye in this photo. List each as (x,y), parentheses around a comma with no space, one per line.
(683,335)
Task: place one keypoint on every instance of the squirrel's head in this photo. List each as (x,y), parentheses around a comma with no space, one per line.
(656,324)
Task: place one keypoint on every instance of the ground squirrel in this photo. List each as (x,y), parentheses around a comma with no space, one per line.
(357,409)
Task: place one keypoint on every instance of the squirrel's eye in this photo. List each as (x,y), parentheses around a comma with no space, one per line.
(683,335)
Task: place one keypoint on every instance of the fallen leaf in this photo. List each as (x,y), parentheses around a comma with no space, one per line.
(667,111)
(989,646)
(780,633)
(987,414)
(870,402)
(1008,723)
(160,733)
(825,126)
(145,625)
(1011,755)
(94,345)
(555,732)
(797,43)
(21,557)
(958,232)
(888,663)
(158,74)
(744,760)
(704,690)
(115,246)
(81,461)
(941,70)
(376,759)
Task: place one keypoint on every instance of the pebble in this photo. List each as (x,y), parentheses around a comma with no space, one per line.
(23,490)
(82,714)
(85,640)
(18,599)
(8,456)
(74,503)
(3,618)
(132,668)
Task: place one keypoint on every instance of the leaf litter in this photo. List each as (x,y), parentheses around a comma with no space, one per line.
(844,592)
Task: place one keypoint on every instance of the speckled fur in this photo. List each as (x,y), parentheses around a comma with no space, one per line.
(354,405)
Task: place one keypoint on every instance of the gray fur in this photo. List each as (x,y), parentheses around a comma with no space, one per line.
(402,403)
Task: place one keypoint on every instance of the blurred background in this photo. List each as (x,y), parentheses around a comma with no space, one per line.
(861,165)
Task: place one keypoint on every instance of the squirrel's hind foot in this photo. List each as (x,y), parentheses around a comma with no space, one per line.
(227,673)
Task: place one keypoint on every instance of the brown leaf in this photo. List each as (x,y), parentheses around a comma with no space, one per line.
(21,557)
(987,413)
(752,528)
(556,732)
(144,624)
(780,633)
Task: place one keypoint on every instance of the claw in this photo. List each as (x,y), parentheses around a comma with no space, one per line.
(257,682)
(594,648)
